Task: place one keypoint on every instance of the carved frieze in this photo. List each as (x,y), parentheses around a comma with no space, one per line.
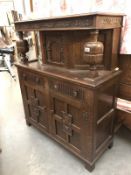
(92,21)
(55,24)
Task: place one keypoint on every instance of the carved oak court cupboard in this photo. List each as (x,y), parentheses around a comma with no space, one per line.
(71,95)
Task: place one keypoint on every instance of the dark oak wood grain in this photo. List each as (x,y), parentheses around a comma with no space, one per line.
(74,112)
(61,97)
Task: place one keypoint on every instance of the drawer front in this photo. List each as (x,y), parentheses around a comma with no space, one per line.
(32,79)
(67,89)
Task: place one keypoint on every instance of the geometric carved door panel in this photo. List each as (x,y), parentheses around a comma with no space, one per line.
(35,106)
(67,123)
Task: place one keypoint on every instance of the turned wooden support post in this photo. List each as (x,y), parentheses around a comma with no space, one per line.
(93,53)
(22,48)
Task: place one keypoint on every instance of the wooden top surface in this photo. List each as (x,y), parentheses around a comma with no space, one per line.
(73,22)
(76,76)
(72,16)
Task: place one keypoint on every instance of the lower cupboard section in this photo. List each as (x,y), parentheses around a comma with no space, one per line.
(79,118)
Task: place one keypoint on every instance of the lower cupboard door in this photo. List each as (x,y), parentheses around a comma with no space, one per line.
(67,124)
(35,106)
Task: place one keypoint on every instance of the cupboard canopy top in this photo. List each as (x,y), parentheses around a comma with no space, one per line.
(74,22)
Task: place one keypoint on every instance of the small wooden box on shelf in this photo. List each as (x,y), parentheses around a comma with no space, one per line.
(71,96)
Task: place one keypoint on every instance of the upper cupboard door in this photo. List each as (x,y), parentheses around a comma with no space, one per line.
(54,48)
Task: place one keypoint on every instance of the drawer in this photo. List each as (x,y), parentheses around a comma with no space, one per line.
(32,78)
(67,89)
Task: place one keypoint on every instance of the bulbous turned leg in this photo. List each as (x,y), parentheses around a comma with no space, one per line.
(90,168)
(93,53)
(24,58)
(22,48)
